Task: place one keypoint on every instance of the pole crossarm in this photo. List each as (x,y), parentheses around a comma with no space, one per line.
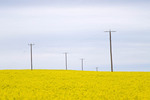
(110,31)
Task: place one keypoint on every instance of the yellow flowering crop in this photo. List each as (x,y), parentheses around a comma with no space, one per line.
(73,85)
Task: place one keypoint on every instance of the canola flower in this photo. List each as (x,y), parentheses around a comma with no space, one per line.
(73,85)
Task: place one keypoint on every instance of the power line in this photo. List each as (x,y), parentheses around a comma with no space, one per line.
(110,49)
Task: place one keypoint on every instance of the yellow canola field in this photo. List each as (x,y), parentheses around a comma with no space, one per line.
(73,85)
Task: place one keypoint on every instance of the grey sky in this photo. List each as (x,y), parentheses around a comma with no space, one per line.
(70,2)
(78,28)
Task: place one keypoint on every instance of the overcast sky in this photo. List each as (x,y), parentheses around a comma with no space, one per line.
(76,27)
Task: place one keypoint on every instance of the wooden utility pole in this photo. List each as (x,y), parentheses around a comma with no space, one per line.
(82,63)
(97,69)
(31,55)
(66,60)
(110,49)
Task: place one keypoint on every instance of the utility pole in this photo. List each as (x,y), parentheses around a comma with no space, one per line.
(97,69)
(31,55)
(110,49)
(82,63)
(66,60)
